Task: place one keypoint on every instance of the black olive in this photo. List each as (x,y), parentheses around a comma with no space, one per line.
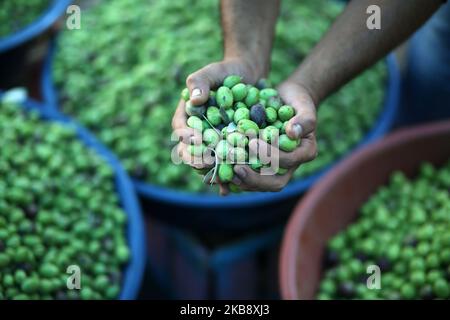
(178,74)
(31,211)
(426,293)
(108,244)
(258,114)
(363,279)
(61,295)
(139,172)
(346,290)
(27,267)
(384,264)
(331,259)
(361,256)
(410,241)
(262,84)
(211,101)
(115,277)
(120,120)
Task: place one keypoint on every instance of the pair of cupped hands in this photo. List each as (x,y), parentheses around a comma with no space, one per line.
(302,125)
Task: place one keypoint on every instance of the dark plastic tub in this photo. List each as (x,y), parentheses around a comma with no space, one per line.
(247,211)
(186,267)
(135,229)
(16,48)
(334,202)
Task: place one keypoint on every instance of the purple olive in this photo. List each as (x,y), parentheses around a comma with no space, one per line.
(258,114)
(263,84)
(211,101)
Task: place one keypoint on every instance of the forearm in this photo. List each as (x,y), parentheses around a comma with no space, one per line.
(248,30)
(349,47)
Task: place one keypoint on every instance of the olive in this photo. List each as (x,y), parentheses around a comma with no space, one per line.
(346,290)
(263,83)
(231,81)
(331,259)
(258,115)
(185,94)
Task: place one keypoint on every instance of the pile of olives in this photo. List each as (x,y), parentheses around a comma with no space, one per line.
(58,208)
(233,114)
(15,15)
(135,58)
(404,229)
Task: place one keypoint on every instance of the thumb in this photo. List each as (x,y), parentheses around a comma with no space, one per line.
(200,82)
(304,121)
(301,125)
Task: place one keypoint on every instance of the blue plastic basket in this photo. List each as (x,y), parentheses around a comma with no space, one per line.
(54,11)
(128,199)
(238,211)
(184,267)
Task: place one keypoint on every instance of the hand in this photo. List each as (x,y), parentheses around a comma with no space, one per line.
(302,125)
(199,84)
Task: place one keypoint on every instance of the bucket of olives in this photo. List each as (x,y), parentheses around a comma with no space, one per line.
(25,29)
(70,223)
(30,18)
(377,226)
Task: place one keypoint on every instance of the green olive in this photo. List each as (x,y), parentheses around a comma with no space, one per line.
(239,92)
(195,123)
(285,113)
(267,93)
(252,97)
(231,81)
(213,115)
(271,115)
(185,94)
(225,173)
(241,113)
(287,144)
(211,137)
(224,97)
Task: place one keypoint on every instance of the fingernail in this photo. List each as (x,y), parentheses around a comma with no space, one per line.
(297,130)
(196,92)
(193,140)
(241,172)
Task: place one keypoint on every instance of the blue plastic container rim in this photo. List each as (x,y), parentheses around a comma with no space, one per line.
(385,121)
(54,11)
(135,227)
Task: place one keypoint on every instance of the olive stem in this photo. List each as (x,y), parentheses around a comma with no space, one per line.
(215,129)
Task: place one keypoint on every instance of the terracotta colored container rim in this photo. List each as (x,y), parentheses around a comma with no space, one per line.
(290,242)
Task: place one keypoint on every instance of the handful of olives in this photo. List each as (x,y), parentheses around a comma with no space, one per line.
(234,114)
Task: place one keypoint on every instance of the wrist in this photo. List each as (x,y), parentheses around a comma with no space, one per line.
(302,86)
(256,65)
